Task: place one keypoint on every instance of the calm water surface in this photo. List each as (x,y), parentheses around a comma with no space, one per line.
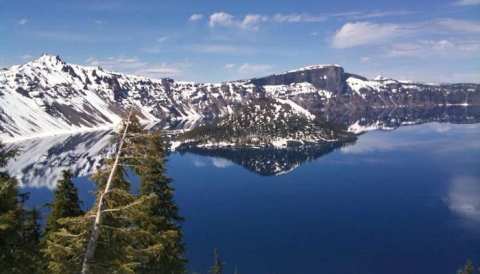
(403,201)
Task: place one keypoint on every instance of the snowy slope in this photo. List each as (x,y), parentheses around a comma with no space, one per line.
(48,96)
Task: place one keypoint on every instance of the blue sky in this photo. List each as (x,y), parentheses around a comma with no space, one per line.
(430,40)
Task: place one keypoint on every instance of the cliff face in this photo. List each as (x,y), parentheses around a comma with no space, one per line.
(322,77)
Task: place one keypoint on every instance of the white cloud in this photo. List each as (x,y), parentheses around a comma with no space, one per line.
(467,2)
(428,48)
(222,48)
(222,19)
(459,25)
(364,33)
(23,21)
(99,22)
(376,14)
(133,65)
(254,21)
(365,59)
(249,22)
(353,34)
(297,18)
(161,39)
(362,15)
(247,69)
(195,17)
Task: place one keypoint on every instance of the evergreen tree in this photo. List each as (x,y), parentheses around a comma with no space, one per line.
(467,269)
(147,154)
(19,229)
(138,234)
(217,267)
(115,251)
(125,243)
(65,202)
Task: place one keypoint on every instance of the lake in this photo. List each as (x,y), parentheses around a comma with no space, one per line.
(398,201)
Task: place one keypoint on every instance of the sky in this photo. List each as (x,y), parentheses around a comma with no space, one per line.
(211,41)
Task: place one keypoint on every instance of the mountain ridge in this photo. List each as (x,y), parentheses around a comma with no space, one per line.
(48,96)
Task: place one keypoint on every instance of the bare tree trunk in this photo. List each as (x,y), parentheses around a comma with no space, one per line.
(92,242)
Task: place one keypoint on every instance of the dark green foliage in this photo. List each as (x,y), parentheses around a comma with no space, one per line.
(19,229)
(146,153)
(121,241)
(217,267)
(65,202)
(64,248)
(60,245)
(116,250)
(469,268)
(138,234)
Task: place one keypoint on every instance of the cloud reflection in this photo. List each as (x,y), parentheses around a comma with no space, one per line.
(464,197)
(221,163)
(211,161)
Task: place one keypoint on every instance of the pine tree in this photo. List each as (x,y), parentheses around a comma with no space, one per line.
(115,250)
(118,235)
(65,202)
(123,245)
(147,154)
(138,234)
(467,269)
(19,228)
(217,267)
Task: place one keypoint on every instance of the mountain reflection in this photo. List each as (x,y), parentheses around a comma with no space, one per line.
(267,161)
(41,161)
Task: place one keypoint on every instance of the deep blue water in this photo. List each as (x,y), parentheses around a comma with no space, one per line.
(403,201)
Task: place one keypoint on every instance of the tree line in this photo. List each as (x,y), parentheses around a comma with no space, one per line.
(139,233)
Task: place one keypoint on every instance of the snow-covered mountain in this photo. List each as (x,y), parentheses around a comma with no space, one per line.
(267,123)
(48,96)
